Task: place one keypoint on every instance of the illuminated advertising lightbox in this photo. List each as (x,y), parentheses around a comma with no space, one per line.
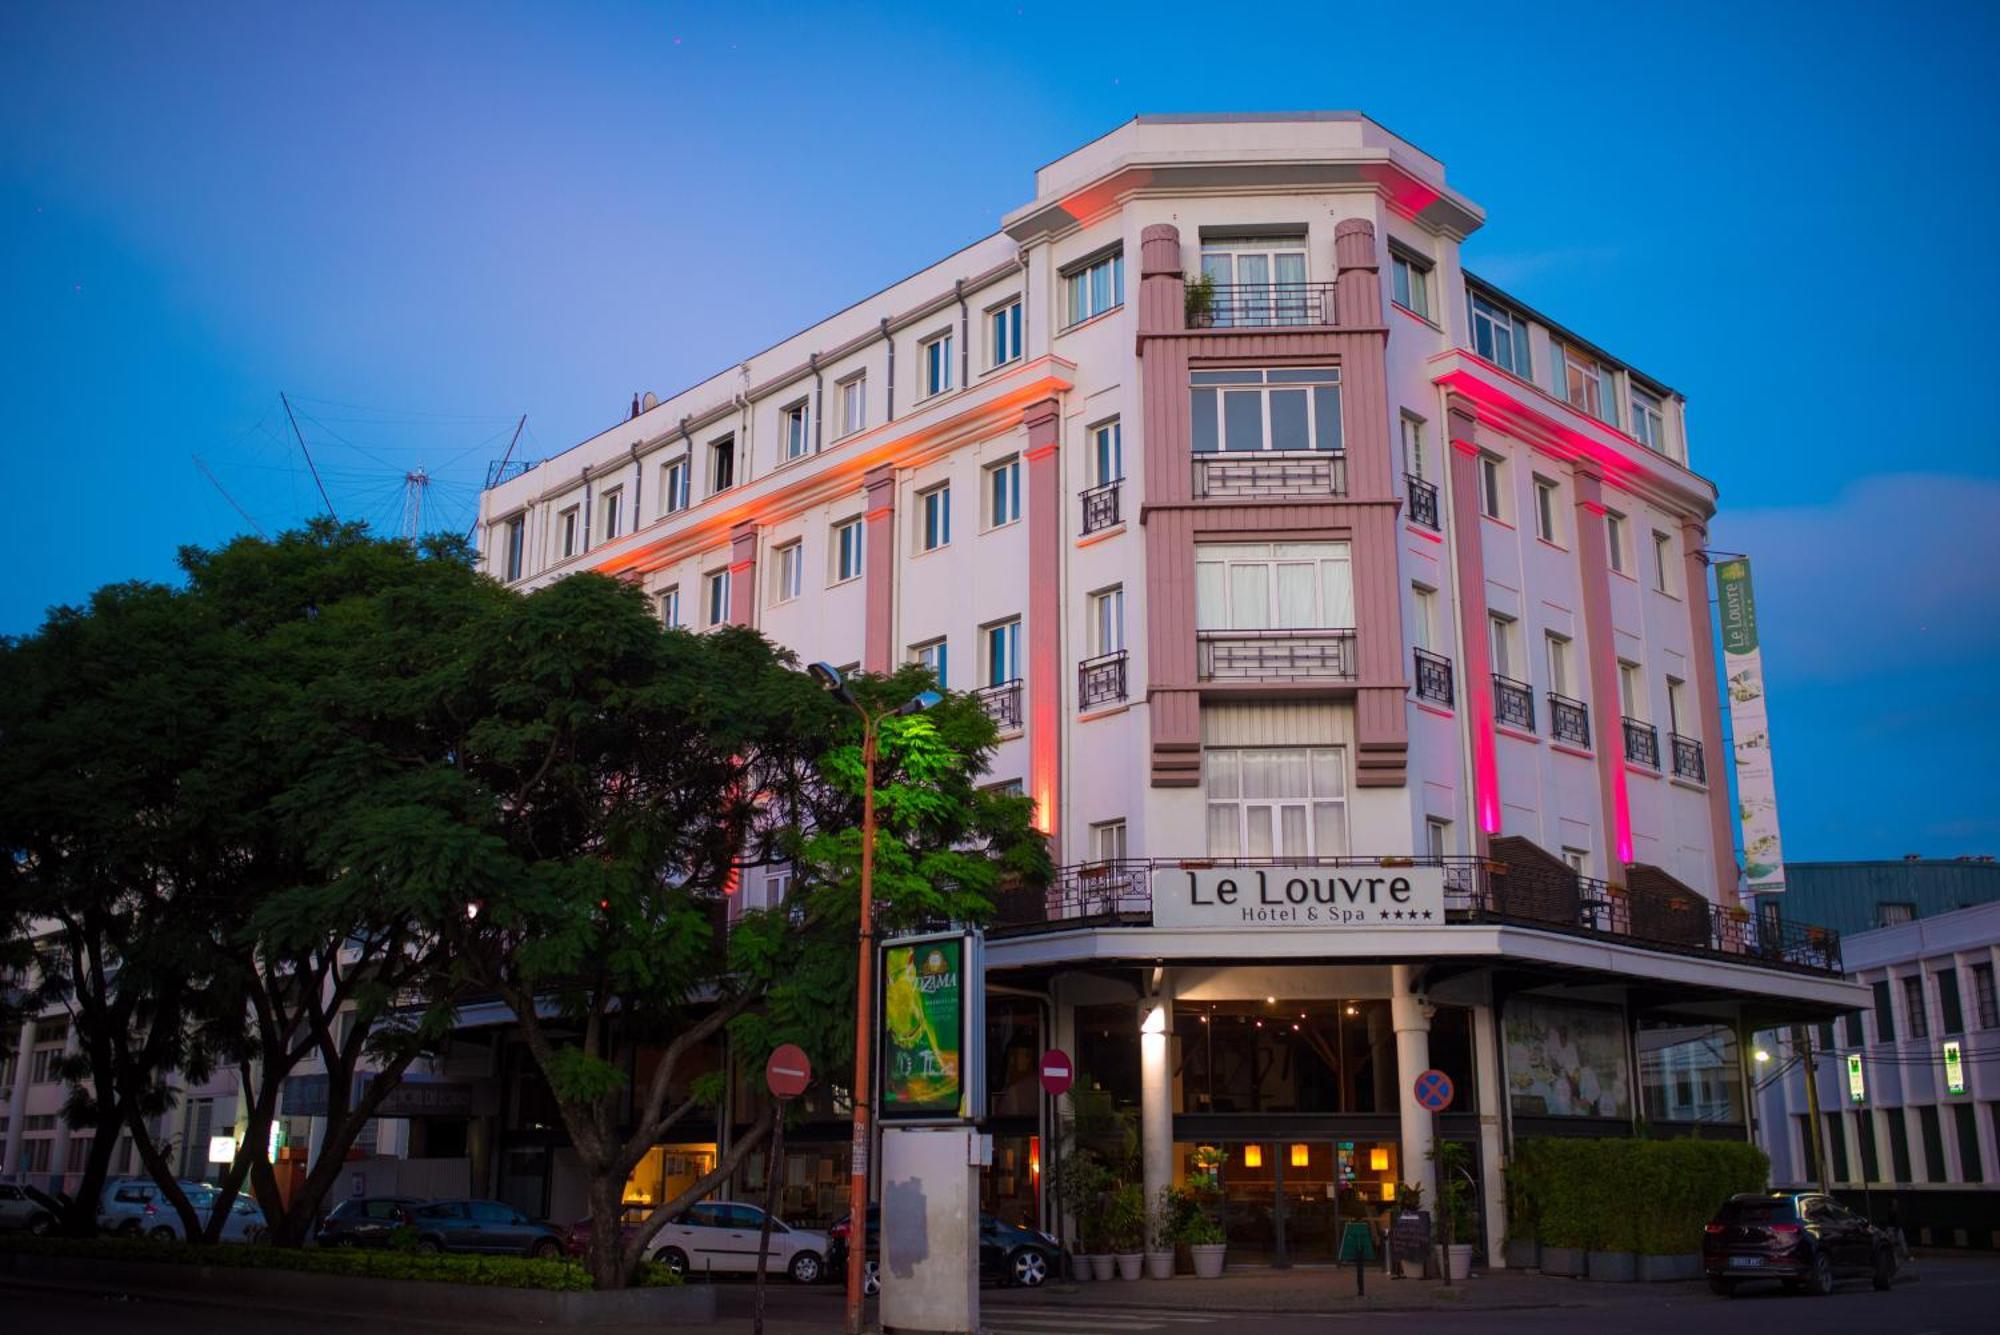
(1954,1067)
(930,1028)
(1857,1089)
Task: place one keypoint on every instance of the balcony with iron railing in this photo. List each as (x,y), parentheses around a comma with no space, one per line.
(1477,891)
(1275,655)
(1002,702)
(1642,743)
(1688,762)
(1100,507)
(1259,305)
(1100,681)
(1569,720)
(1513,703)
(1423,502)
(1252,474)
(1434,678)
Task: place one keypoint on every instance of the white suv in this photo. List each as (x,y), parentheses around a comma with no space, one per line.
(723,1236)
(136,1207)
(25,1207)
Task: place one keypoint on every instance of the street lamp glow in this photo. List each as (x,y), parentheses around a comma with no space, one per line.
(1761,1055)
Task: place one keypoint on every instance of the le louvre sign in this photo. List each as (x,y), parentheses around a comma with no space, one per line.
(1305,896)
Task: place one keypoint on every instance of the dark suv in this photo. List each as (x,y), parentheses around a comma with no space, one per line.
(1009,1254)
(366,1221)
(1805,1240)
(484,1226)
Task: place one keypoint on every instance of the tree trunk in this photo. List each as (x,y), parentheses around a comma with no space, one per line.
(80,1219)
(605,1255)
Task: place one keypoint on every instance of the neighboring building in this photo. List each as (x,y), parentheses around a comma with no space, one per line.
(1921,1142)
(1278,545)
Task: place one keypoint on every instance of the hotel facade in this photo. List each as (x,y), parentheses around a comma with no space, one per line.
(1345,619)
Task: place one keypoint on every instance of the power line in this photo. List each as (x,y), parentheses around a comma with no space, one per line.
(309,458)
(226,496)
(519,427)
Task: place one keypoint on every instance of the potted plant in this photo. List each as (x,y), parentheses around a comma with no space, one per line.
(1125,1228)
(1205,1241)
(1409,1200)
(1200,302)
(1456,1220)
(1162,1227)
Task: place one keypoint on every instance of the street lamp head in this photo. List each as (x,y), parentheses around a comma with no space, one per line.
(829,678)
(1761,1055)
(919,702)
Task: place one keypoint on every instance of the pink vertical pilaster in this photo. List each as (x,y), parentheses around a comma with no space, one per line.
(1173,703)
(1601,643)
(1162,285)
(743,573)
(1357,293)
(878,636)
(1043,421)
(1475,682)
(1708,700)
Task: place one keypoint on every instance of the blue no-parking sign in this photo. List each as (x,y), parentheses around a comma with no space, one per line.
(1434,1090)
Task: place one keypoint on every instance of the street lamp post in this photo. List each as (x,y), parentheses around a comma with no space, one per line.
(829,677)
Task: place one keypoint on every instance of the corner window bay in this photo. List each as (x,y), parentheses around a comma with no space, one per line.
(1306,897)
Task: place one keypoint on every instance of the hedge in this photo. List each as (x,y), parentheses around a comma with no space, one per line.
(507,1272)
(1619,1195)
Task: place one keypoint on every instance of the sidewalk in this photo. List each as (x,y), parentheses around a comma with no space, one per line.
(1327,1289)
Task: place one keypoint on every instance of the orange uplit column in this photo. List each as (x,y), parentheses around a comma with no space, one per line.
(1608,738)
(1475,685)
(743,574)
(878,634)
(1045,537)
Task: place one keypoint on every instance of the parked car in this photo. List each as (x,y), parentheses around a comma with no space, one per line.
(366,1221)
(28,1208)
(722,1236)
(483,1226)
(1805,1240)
(136,1207)
(629,1219)
(1009,1254)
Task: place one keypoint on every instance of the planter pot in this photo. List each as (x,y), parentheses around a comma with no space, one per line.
(1523,1255)
(1160,1265)
(1079,1268)
(1614,1267)
(1104,1267)
(1131,1264)
(1662,1269)
(1208,1259)
(1461,1261)
(1565,1261)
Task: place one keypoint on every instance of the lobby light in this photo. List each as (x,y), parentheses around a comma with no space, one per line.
(1253,1156)
(1378,1160)
(1301,1156)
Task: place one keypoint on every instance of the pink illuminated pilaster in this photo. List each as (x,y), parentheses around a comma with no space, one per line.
(1475,683)
(1594,566)
(878,637)
(1357,293)
(1043,421)
(743,573)
(1708,700)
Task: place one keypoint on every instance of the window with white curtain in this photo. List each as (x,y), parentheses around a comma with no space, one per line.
(1500,336)
(853,404)
(1107,621)
(1273,586)
(1092,288)
(1289,408)
(1276,801)
(1268,273)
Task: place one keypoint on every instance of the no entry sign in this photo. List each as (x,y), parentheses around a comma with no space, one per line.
(1433,1090)
(788,1072)
(1057,1072)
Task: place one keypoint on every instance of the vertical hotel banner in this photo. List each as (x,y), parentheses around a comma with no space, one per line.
(1743,679)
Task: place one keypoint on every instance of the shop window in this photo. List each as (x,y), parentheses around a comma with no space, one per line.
(1688,1073)
(1286,1057)
(1107,1050)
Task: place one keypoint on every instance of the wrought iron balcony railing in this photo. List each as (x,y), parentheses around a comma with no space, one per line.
(1250,474)
(1642,742)
(1275,655)
(1513,703)
(1688,759)
(1569,720)
(1100,680)
(1003,703)
(1433,678)
(1120,894)
(1260,305)
(1423,502)
(1100,507)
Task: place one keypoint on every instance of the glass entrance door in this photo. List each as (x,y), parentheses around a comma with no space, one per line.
(1285,1202)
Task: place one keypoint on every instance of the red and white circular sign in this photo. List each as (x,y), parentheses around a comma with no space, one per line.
(1057,1072)
(788,1072)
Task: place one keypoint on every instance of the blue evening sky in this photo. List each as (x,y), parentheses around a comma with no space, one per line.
(423,220)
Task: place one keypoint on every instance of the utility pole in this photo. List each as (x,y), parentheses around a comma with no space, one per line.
(416,484)
(1802,1035)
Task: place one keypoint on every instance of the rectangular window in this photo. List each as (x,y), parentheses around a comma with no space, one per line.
(1410,282)
(511,540)
(853,404)
(722,465)
(1003,334)
(42,1065)
(1649,424)
(674,486)
(1914,1008)
(1294,410)
(1951,1012)
(934,359)
(1003,652)
(1663,562)
(1500,634)
(1559,681)
(1631,691)
(1885,1015)
(796,430)
(1851,1029)
(1414,462)
(35,1155)
(787,572)
(1107,621)
(613,509)
(670,606)
(936,656)
(717,582)
(1437,837)
(1423,621)
(934,518)
(1970,1169)
(1890,912)
(1283,801)
(566,524)
(847,538)
(1587,383)
(1614,540)
(1899,1145)
(1107,453)
(1273,586)
(1546,507)
(1985,1001)
(1932,1129)
(1003,493)
(1864,1136)
(1836,1146)
(1107,841)
(1492,486)
(1678,721)
(1093,288)
(1501,337)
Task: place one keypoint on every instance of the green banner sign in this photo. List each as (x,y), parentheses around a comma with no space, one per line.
(923,1004)
(1738,606)
(1954,1067)
(1857,1089)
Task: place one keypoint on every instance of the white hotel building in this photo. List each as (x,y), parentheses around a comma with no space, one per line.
(1274,540)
